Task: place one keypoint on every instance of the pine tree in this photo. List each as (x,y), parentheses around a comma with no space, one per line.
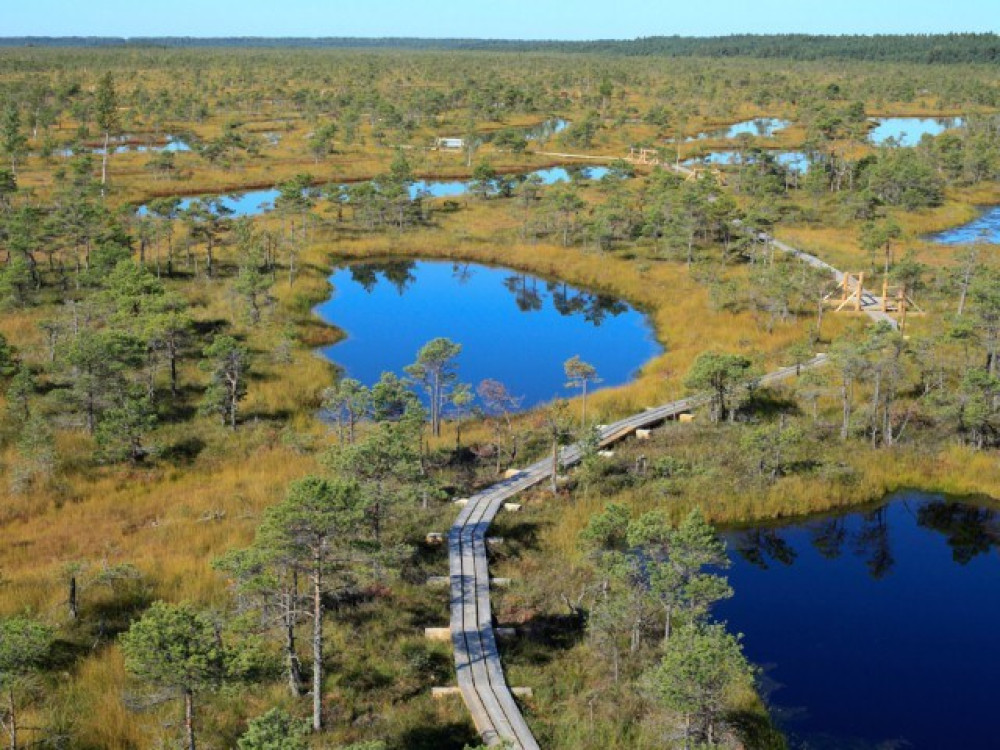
(317,530)
(229,363)
(176,648)
(106,110)
(24,644)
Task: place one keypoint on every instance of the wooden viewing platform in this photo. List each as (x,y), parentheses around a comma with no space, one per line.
(477,659)
(851,284)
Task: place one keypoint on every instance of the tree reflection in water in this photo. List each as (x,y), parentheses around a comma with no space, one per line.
(462,272)
(871,543)
(828,537)
(970,531)
(595,308)
(862,615)
(399,273)
(761,547)
(390,308)
(525,291)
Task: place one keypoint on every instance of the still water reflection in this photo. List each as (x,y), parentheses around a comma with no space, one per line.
(875,629)
(513,327)
(907,131)
(256,202)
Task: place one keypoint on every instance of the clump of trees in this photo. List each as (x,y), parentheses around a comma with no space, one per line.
(650,619)
(24,646)
(178,649)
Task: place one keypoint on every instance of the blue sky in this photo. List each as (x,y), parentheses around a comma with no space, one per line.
(512,19)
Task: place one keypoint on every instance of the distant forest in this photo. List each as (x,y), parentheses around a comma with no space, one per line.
(915,48)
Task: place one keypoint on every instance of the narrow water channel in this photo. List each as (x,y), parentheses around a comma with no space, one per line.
(256,202)
(984,228)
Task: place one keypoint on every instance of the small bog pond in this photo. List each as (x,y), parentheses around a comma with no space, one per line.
(541,131)
(764,127)
(907,131)
(986,227)
(515,328)
(794,161)
(876,629)
(457,188)
(174,145)
(545,130)
(256,202)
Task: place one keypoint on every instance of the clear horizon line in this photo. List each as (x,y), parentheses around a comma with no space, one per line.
(499,39)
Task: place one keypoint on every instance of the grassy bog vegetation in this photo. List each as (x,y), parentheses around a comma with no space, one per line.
(166,472)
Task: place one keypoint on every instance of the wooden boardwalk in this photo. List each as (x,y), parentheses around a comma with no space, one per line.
(477,658)
(870,304)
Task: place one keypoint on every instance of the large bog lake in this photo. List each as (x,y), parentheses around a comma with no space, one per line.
(875,630)
(513,327)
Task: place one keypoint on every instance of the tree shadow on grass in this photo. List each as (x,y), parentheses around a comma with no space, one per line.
(99,625)
(542,636)
(276,416)
(425,560)
(756,730)
(428,614)
(518,538)
(184,408)
(767,403)
(454,736)
(106,619)
(63,654)
(183,452)
(205,329)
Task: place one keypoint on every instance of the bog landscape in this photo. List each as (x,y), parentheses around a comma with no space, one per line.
(437,394)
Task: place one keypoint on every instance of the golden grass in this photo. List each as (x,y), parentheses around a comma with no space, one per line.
(166,521)
(171,521)
(678,306)
(100,718)
(954,470)
(840,245)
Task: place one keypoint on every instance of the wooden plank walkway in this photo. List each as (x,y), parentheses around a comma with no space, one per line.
(477,658)
(870,304)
